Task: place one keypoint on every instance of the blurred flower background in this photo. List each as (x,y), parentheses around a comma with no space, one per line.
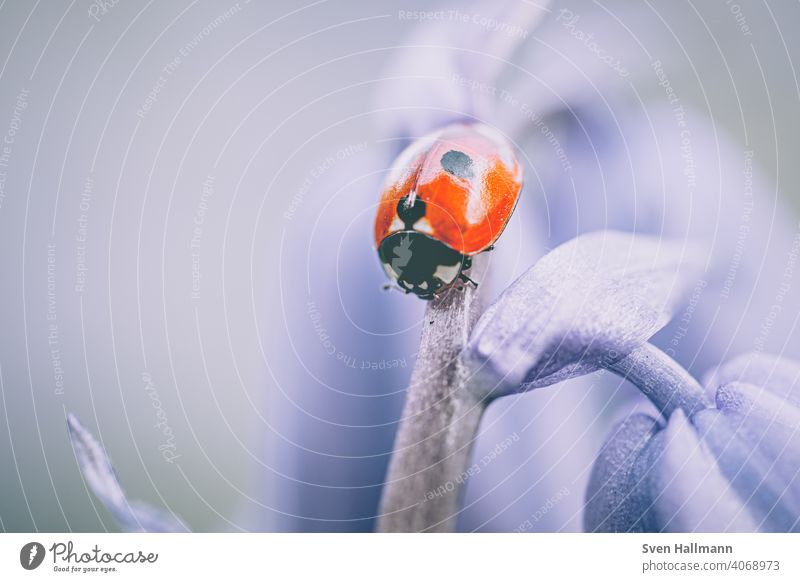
(186,202)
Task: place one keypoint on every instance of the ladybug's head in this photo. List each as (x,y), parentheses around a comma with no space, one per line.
(419,263)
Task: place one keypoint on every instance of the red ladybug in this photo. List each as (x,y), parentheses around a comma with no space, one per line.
(448,196)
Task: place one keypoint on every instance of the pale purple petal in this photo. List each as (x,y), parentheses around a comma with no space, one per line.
(616,499)
(779,375)
(771,423)
(689,492)
(757,403)
(589,302)
(773,499)
(98,472)
(667,481)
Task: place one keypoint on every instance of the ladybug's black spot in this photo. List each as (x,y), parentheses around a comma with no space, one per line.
(457,163)
(410,209)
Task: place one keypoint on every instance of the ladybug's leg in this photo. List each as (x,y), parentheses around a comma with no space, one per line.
(466,279)
(487,249)
(466,264)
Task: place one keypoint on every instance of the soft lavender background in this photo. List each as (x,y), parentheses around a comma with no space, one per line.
(273,432)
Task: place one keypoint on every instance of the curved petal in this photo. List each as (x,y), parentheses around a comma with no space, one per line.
(689,492)
(773,499)
(587,303)
(771,423)
(779,375)
(615,498)
(132,516)
(759,403)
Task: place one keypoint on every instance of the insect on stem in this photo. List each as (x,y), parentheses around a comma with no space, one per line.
(439,423)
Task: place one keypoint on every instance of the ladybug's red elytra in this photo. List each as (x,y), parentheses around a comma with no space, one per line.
(447,197)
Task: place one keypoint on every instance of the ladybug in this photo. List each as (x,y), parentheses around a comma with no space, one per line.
(447,197)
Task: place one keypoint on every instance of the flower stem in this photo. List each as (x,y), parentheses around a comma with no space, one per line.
(439,423)
(662,380)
